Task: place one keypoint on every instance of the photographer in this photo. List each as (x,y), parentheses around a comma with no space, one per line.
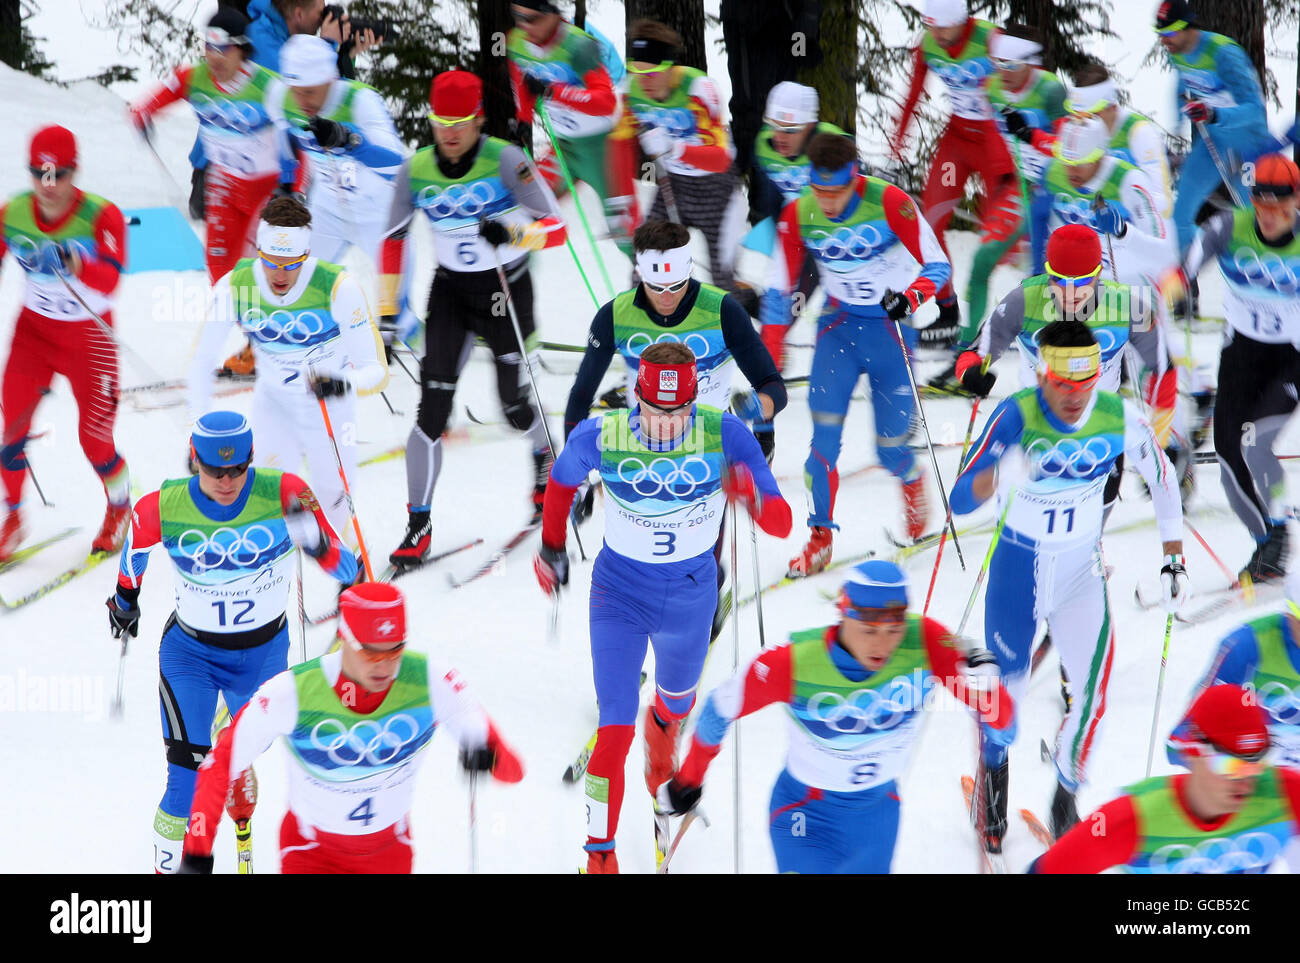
(274,21)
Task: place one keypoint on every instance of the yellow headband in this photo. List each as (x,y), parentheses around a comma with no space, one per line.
(1070,364)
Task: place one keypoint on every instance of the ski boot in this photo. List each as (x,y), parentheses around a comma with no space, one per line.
(11,533)
(542,462)
(816,555)
(1268,562)
(916,507)
(117,519)
(992,795)
(1064,812)
(414,547)
(660,749)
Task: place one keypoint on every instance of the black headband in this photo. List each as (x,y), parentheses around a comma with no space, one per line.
(649,51)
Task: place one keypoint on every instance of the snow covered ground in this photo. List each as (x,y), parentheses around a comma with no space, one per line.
(84,787)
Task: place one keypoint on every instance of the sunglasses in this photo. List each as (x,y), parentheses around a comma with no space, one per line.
(58,173)
(229,471)
(452,123)
(784,128)
(1072,387)
(662,66)
(894,614)
(221,48)
(1228,764)
(660,410)
(270,265)
(373,655)
(666,288)
(1002,64)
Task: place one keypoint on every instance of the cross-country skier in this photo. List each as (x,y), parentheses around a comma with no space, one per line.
(669,468)
(71,247)
(1047,565)
(1231,813)
(230,532)
(854,692)
(355,722)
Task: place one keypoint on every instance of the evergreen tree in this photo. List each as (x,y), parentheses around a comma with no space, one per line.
(18,48)
(684,16)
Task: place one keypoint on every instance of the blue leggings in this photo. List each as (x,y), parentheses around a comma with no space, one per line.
(669,606)
(848,346)
(819,831)
(191,673)
(1200,178)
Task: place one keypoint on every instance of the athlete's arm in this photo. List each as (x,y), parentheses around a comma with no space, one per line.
(713,153)
(1104,839)
(337,559)
(368,372)
(1211,240)
(393,249)
(547,230)
(914,89)
(144,533)
(1005,322)
(381,147)
(915,233)
(1143,452)
(174,88)
(974,485)
(752,356)
(102,269)
(1238,74)
(994,709)
(740,445)
(581,454)
(595,362)
(783,269)
(766,680)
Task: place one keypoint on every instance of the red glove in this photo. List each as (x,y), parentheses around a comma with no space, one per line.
(242,796)
(551,565)
(739,488)
(1199,112)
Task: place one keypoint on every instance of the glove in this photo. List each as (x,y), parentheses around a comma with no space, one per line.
(198,193)
(551,565)
(766,442)
(1199,112)
(582,504)
(677,799)
(287,190)
(747,405)
(537,86)
(1110,220)
(1017,124)
(897,306)
(1173,583)
(983,675)
(55,258)
(494,232)
(739,487)
(192,865)
(494,757)
(973,375)
(657,142)
(328,386)
(1173,285)
(388,333)
(329,133)
(304,530)
(123,616)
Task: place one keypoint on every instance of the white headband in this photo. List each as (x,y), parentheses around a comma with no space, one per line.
(1088,99)
(307,61)
(665,267)
(1022,51)
(283,241)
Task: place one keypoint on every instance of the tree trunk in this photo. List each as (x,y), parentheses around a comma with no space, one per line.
(580,14)
(835,59)
(494,21)
(11,34)
(684,16)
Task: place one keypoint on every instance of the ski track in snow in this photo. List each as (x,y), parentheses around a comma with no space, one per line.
(84,788)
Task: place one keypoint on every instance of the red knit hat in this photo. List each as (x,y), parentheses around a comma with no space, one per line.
(666,385)
(1073,251)
(1228,718)
(373,613)
(53,145)
(455,95)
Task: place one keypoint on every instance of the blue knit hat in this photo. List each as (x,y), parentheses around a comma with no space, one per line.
(876,584)
(222,438)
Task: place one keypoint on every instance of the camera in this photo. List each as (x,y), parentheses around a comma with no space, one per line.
(382,28)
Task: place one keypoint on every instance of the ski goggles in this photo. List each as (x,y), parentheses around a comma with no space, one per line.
(893,614)
(521,17)
(1002,63)
(656,69)
(375,656)
(225,471)
(654,409)
(1067,280)
(783,128)
(452,123)
(666,288)
(1178,26)
(58,173)
(293,265)
(1227,764)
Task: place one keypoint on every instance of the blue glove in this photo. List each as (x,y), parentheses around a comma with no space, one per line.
(1001,737)
(1110,220)
(54,259)
(774,307)
(747,405)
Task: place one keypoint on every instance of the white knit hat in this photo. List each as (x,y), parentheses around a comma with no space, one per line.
(945,13)
(790,103)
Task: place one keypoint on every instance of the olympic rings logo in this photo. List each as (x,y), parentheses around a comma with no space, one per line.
(240,116)
(285,326)
(1072,210)
(1272,269)
(365,742)
(848,243)
(35,255)
(969,74)
(698,343)
(790,181)
(1069,457)
(864,709)
(1232,854)
(241,548)
(677,121)
(1280,702)
(456,200)
(679,479)
(552,72)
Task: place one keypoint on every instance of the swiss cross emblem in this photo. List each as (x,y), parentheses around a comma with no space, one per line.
(386,627)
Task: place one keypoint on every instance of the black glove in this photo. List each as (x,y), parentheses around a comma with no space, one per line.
(766,443)
(1017,124)
(286,190)
(677,799)
(481,759)
(896,305)
(192,865)
(494,232)
(123,619)
(326,386)
(329,133)
(536,86)
(972,375)
(388,333)
(198,181)
(583,503)
(551,566)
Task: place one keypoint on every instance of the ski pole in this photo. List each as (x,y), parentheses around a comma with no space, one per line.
(473,822)
(758,586)
(934,574)
(302,611)
(347,491)
(1228,180)
(1160,688)
(528,366)
(119,707)
(934,460)
(1232,576)
(735,667)
(573,192)
(988,557)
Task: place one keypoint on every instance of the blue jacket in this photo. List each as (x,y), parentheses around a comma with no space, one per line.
(267,32)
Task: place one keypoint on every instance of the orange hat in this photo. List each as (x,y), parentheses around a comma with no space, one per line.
(1276,177)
